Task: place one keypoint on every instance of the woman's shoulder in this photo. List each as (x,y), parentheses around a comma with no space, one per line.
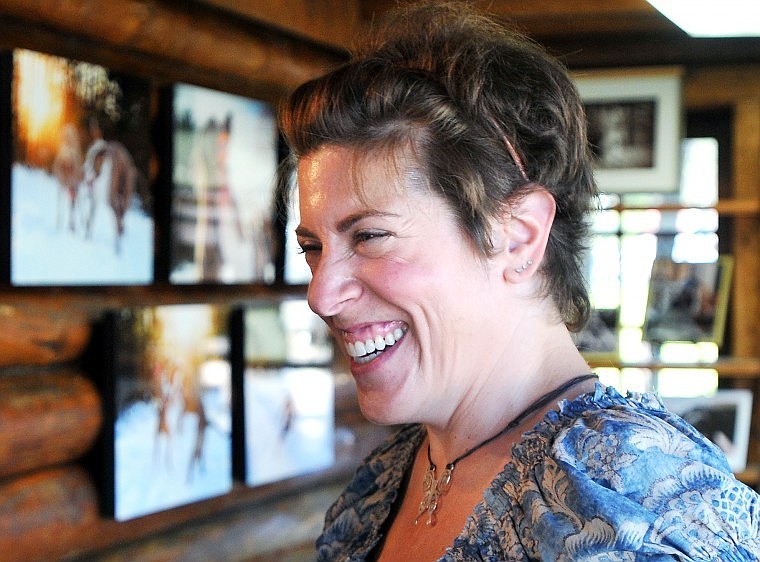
(635,427)
(618,470)
(624,442)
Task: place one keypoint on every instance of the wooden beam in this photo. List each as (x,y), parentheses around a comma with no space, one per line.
(559,18)
(337,23)
(150,35)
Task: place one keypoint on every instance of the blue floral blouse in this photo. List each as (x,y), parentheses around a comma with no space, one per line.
(603,478)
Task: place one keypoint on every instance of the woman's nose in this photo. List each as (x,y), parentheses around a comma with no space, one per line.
(333,286)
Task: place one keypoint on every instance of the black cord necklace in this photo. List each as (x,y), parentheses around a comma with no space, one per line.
(433,489)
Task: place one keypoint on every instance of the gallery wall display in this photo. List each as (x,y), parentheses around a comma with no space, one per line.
(80,198)
(225,156)
(635,127)
(724,418)
(167,393)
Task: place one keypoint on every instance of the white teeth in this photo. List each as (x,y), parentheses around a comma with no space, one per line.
(360,349)
(378,343)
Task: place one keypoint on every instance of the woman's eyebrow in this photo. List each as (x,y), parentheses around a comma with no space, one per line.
(304,232)
(346,224)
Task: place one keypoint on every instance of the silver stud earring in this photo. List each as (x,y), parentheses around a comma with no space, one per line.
(524,266)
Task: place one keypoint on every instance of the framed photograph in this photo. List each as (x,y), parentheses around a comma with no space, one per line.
(289,422)
(81,206)
(225,156)
(724,418)
(168,407)
(687,301)
(635,127)
(283,391)
(286,333)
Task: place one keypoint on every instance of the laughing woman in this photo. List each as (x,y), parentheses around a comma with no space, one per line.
(444,184)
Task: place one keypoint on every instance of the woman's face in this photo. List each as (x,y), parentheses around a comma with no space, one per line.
(399,284)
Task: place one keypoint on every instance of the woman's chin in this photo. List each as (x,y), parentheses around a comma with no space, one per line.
(380,411)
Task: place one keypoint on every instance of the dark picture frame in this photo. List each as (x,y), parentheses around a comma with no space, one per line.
(80,188)
(167,384)
(224,160)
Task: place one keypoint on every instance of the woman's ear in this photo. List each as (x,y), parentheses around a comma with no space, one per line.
(526,233)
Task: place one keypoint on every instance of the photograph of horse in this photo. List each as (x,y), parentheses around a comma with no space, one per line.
(81,209)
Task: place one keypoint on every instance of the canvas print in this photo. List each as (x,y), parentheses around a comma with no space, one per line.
(225,159)
(687,301)
(289,422)
(172,407)
(724,418)
(287,333)
(81,207)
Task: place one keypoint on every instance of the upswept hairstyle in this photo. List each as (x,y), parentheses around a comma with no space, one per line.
(489,116)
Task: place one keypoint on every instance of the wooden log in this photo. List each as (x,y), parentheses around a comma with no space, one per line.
(42,335)
(43,513)
(46,419)
(177,35)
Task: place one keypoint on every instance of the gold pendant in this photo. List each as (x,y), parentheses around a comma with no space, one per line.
(432,491)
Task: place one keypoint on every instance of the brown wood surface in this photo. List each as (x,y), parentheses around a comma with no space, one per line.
(44,512)
(746,318)
(46,419)
(168,40)
(269,530)
(40,334)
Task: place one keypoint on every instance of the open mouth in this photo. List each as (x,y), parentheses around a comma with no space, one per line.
(365,350)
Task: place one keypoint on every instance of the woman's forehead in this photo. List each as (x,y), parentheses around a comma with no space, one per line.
(366,171)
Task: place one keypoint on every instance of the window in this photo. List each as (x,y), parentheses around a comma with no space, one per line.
(630,231)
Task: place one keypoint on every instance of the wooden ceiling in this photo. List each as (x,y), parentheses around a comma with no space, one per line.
(583,32)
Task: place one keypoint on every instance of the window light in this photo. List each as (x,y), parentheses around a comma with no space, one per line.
(713,18)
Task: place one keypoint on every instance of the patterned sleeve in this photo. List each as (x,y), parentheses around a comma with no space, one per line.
(630,482)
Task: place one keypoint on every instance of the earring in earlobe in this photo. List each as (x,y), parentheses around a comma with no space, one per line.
(524,266)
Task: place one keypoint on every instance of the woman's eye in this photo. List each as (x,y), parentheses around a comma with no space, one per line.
(307,248)
(369,235)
